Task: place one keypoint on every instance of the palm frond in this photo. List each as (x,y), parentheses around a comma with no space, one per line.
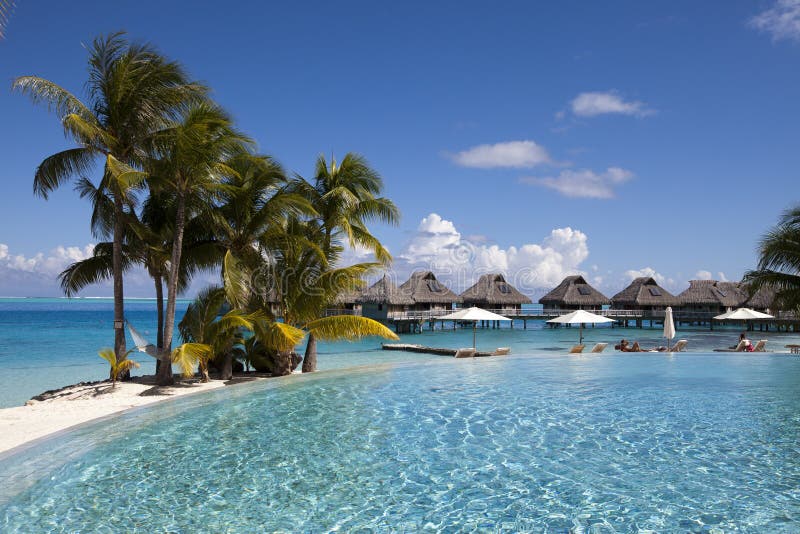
(277,336)
(56,98)
(236,280)
(349,327)
(189,354)
(60,167)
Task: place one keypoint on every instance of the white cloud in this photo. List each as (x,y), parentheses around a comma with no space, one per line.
(722,277)
(513,154)
(662,280)
(583,183)
(51,264)
(782,20)
(703,275)
(532,267)
(592,104)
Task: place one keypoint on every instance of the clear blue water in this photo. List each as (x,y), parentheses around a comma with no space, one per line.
(542,443)
(50,343)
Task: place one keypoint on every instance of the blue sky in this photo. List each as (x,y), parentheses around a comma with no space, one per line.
(549,138)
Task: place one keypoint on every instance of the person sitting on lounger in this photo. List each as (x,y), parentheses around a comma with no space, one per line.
(623,346)
(748,346)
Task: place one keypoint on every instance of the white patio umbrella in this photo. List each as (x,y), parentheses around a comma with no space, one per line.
(473,314)
(580,317)
(669,325)
(742,314)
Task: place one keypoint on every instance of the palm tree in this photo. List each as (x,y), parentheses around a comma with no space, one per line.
(133,91)
(346,196)
(779,262)
(207,332)
(188,162)
(118,367)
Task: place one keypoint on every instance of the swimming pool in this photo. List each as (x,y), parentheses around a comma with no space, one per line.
(628,443)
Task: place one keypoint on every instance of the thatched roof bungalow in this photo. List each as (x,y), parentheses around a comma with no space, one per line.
(493,292)
(643,293)
(762,300)
(383,298)
(428,293)
(574,293)
(712,296)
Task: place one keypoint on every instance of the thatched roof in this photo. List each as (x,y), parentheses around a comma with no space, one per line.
(347,297)
(424,288)
(763,298)
(713,293)
(644,291)
(492,289)
(574,291)
(384,292)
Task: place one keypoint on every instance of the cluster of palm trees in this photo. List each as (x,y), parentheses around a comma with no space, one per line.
(182,191)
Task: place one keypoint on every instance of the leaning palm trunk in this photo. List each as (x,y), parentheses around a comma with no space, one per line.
(310,358)
(165,375)
(160,311)
(119,305)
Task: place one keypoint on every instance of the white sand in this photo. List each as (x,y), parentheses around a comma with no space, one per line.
(78,404)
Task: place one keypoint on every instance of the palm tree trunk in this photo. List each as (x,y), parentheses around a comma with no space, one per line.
(165,376)
(283,363)
(160,310)
(310,358)
(116,267)
(226,373)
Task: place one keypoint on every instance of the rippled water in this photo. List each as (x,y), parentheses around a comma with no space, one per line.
(618,443)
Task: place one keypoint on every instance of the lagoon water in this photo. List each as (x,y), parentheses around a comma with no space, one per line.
(50,343)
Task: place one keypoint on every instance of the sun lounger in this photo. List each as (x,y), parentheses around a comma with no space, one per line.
(600,347)
(679,346)
(465,353)
(501,351)
(577,349)
(741,347)
(760,346)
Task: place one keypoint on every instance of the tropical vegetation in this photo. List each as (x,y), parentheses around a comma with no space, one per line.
(778,267)
(180,190)
(118,367)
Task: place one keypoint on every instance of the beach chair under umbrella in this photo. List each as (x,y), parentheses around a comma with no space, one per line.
(473,314)
(580,317)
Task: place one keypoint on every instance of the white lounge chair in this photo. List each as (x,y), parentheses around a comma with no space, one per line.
(760,346)
(600,347)
(501,351)
(577,349)
(679,346)
(741,347)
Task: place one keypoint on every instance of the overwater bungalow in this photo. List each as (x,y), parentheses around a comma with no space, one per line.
(711,296)
(493,292)
(763,300)
(643,293)
(574,293)
(347,303)
(382,299)
(428,293)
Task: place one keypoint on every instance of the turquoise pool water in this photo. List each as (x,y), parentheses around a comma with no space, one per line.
(544,443)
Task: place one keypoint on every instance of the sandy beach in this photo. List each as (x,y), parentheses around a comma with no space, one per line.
(73,405)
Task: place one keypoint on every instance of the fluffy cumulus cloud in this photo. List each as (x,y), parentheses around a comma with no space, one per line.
(511,154)
(592,104)
(583,183)
(533,267)
(668,283)
(22,275)
(703,275)
(782,20)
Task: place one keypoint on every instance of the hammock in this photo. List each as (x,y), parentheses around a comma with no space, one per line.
(143,346)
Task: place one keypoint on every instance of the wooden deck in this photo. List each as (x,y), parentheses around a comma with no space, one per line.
(416,321)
